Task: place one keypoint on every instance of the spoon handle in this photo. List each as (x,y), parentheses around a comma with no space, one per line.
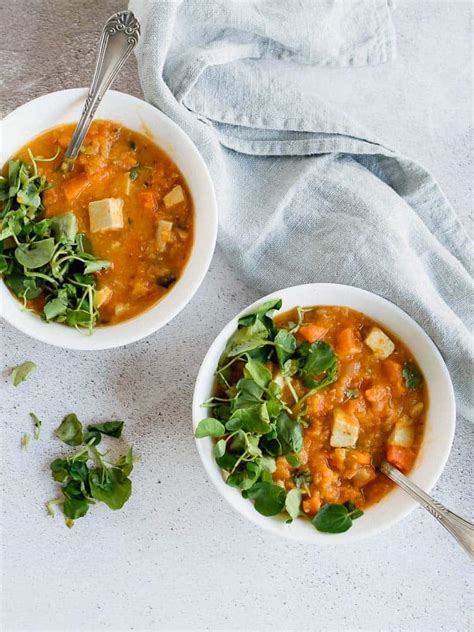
(119,37)
(462,530)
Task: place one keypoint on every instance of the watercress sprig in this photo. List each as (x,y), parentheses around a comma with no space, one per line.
(251,421)
(86,476)
(45,257)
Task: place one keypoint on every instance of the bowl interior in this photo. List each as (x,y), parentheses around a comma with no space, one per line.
(440,419)
(58,108)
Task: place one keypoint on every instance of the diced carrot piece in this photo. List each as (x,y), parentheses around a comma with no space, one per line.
(74,186)
(400,457)
(348,342)
(312,332)
(148,201)
(393,372)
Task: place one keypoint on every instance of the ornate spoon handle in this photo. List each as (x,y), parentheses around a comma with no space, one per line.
(462,530)
(119,37)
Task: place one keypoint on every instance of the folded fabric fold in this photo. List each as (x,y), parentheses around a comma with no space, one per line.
(306,194)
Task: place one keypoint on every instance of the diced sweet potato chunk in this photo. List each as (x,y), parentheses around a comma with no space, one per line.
(393,371)
(74,186)
(348,342)
(312,332)
(148,201)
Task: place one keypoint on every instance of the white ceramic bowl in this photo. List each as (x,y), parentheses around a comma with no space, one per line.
(440,420)
(35,117)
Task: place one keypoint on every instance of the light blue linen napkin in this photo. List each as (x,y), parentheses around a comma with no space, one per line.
(304,193)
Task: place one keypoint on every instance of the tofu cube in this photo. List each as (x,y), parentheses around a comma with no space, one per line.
(403,433)
(345,430)
(175,196)
(380,343)
(163,234)
(106,214)
(102,296)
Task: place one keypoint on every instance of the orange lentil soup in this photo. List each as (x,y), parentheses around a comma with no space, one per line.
(369,398)
(132,203)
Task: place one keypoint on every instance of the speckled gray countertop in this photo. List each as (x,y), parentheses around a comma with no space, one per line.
(178,557)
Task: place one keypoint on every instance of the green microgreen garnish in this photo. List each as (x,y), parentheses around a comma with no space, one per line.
(351,393)
(45,257)
(412,376)
(133,173)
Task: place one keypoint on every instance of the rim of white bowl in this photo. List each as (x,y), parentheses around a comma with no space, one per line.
(68,105)
(396,505)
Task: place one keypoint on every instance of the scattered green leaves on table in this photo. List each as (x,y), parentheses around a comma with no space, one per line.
(333,518)
(87,476)
(253,424)
(412,376)
(37,426)
(22,372)
(109,428)
(70,431)
(45,257)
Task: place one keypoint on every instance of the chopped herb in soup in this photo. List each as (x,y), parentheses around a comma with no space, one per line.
(98,245)
(306,406)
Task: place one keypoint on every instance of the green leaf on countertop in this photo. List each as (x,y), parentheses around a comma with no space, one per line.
(111,486)
(70,431)
(22,372)
(110,428)
(37,426)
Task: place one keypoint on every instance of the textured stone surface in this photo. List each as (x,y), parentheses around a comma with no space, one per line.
(177,556)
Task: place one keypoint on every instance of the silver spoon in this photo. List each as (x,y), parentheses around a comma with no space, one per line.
(119,37)
(462,530)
